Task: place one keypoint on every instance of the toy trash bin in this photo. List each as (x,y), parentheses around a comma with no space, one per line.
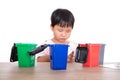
(58,56)
(93,55)
(24,59)
(102,49)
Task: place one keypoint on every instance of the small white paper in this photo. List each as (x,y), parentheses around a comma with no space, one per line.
(113,66)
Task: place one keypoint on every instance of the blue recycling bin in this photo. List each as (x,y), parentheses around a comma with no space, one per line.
(58,56)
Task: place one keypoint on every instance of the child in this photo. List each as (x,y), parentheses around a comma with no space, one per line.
(62,22)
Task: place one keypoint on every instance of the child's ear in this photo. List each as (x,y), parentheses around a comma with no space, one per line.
(51,27)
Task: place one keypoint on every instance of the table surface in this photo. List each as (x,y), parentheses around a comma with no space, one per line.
(42,71)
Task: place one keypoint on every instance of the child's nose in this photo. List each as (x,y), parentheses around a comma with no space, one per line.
(64,34)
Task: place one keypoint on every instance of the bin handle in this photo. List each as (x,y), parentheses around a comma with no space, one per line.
(38,49)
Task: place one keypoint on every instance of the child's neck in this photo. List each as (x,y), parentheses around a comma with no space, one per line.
(58,42)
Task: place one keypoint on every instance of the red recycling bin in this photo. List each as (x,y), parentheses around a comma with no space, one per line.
(93,55)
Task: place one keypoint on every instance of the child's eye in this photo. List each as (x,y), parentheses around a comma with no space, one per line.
(68,31)
(60,30)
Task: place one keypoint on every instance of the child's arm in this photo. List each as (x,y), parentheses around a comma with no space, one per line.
(45,58)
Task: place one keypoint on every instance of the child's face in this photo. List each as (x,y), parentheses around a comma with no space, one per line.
(61,34)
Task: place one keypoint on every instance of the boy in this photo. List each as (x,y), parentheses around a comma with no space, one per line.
(62,22)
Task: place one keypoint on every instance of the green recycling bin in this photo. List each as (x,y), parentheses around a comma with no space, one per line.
(24,59)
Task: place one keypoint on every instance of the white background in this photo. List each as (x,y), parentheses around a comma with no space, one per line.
(28,21)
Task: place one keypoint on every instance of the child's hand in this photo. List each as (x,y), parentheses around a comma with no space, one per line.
(70,57)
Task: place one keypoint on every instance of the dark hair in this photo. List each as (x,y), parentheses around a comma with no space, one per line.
(62,17)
